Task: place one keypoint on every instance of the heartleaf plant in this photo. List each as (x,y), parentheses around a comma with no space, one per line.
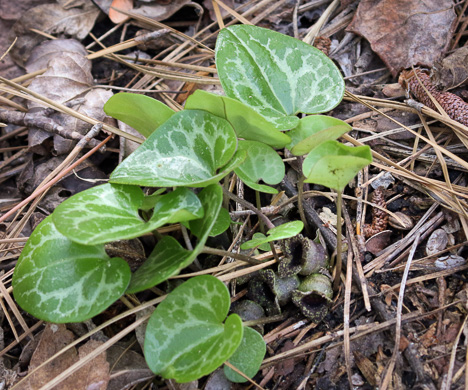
(64,273)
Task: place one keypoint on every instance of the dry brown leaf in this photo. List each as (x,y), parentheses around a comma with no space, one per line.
(52,19)
(93,375)
(67,80)
(405,33)
(54,338)
(43,53)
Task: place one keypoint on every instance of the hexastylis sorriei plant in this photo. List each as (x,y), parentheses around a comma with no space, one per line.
(64,273)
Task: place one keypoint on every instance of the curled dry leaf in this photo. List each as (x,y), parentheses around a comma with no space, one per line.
(53,19)
(405,33)
(116,16)
(437,242)
(455,107)
(402,222)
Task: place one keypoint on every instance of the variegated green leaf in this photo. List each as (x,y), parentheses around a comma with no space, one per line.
(334,165)
(185,337)
(262,163)
(313,130)
(248,357)
(286,230)
(187,150)
(60,281)
(110,212)
(168,257)
(141,112)
(247,122)
(275,74)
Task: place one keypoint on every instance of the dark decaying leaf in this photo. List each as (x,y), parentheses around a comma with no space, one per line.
(128,367)
(54,19)
(405,33)
(452,71)
(8,68)
(12,10)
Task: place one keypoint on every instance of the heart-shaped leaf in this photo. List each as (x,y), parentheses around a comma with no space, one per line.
(168,257)
(247,122)
(110,212)
(59,281)
(334,165)
(248,357)
(262,163)
(185,337)
(286,230)
(313,130)
(276,75)
(141,112)
(187,150)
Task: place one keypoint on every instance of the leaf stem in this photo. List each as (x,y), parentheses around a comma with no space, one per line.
(336,280)
(300,199)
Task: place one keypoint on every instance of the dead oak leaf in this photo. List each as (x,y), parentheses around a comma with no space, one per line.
(405,33)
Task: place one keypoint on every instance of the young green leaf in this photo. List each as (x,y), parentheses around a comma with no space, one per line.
(248,357)
(261,237)
(334,165)
(247,122)
(185,337)
(221,224)
(168,257)
(286,230)
(262,163)
(277,75)
(110,212)
(187,150)
(313,130)
(57,280)
(141,112)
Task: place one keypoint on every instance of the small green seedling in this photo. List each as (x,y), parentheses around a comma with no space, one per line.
(334,165)
(286,230)
(64,273)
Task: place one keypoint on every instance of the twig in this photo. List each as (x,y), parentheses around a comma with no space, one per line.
(250,206)
(238,256)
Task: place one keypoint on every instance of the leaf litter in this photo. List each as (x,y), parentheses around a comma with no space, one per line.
(422,147)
